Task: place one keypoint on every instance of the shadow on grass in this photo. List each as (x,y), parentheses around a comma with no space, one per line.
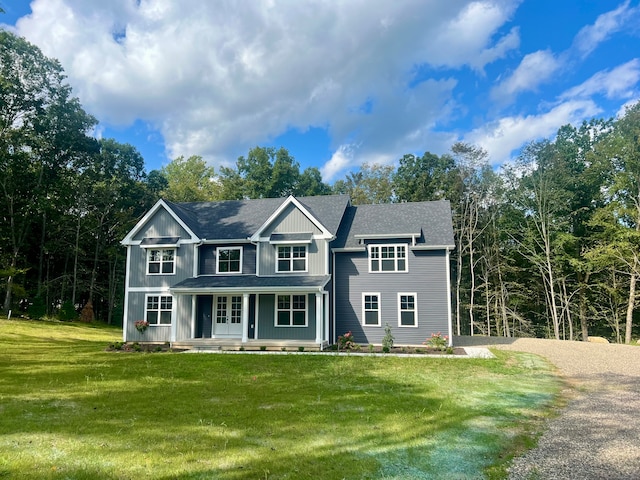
(103,415)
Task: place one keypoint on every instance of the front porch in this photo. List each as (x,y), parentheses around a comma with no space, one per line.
(212,344)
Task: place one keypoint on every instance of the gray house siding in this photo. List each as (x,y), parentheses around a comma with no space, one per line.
(291,220)
(207,258)
(136,312)
(426,278)
(316,259)
(183,268)
(161,224)
(266,324)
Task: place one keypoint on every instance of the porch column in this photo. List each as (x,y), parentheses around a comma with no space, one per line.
(326,316)
(245,317)
(319,317)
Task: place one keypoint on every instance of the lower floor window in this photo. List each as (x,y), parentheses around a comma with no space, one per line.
(159,309)
(408,315)
(291,311)
(371,309)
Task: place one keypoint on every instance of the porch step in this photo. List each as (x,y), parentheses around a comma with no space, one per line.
(206,348)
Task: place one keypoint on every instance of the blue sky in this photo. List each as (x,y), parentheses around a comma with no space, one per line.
(337,83)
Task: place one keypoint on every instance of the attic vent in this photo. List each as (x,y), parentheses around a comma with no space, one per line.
(158,242)
(290,238)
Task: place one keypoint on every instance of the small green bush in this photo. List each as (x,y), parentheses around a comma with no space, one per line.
(301,349)
(67,312)
(387,340)
(37,309)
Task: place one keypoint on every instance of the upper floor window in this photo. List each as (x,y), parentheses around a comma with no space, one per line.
(158,309)
(388,258)
(292,258)
(161,261)
(229,260)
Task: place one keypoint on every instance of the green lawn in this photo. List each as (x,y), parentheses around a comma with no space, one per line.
(69,409)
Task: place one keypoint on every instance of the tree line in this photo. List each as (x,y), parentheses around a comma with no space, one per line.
(546,246)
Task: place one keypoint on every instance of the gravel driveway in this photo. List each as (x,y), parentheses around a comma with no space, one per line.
(597,435)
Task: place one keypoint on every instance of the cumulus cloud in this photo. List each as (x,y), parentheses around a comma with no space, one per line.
(590,36)
(504,137)
(621,82)
(534,69)
(216,77)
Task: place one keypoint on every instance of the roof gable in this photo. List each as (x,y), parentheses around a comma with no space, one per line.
(160,205)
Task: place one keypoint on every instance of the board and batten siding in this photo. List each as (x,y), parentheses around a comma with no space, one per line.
(161,224)
(427,278)
(181,315)
(316,258)
(291,220)
(266,321)
(207,258)
(183,267)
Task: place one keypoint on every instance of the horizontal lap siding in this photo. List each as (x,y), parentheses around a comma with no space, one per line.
(266,322)
(426,277)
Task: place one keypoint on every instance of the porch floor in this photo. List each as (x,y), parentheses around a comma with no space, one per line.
(237,344)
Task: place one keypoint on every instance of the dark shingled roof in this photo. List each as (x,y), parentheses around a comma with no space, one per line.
(234,219)
(253,282)
(431,219)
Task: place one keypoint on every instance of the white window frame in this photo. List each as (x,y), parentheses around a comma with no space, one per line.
(365,309)
(161,261)
(377,247)
(218,250)
(414,310)
(291,258)
(159,310)
(291,310)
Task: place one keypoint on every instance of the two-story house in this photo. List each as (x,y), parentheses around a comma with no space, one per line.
(288,272)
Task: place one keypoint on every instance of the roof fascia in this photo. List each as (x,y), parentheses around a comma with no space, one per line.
(128,240)
(289,201)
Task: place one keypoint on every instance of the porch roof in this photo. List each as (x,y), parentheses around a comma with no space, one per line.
(251,283)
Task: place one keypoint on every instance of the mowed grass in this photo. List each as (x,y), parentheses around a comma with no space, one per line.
(71,410)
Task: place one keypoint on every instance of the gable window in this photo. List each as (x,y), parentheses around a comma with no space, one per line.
(229,260)
(371,309)
(407,310)
(161,261)
(292,258)
(388,258)
(291,311)
(158,309)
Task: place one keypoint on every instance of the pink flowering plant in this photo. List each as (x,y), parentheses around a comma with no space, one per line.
(141,325)
(437,341)
(345,342)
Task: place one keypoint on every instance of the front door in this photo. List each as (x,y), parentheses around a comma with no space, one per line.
(228,316)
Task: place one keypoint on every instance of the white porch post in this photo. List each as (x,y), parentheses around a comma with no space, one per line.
(326,316)
(245,317)
(319,317)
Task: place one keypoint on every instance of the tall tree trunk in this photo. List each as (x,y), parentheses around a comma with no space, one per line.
(630,307)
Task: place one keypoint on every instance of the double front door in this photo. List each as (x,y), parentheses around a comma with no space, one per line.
(218,316)
(227,319)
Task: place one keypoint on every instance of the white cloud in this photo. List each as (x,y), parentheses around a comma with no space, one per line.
(589,37)
(620,82)
(507,135)
(534,69)
(215,77)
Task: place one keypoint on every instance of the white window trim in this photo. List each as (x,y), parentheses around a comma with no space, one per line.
(364,310)
(146,309)
(291,310)
(306,259)
(175,258)
(218,260)
(395,247)
(415,310)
